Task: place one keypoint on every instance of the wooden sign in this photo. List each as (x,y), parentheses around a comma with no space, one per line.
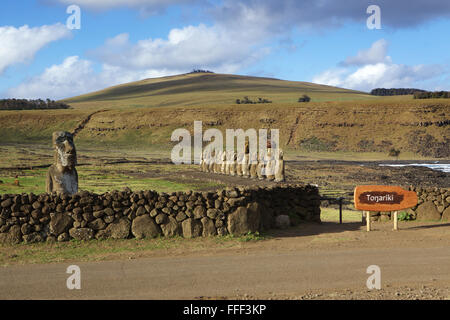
(383,198)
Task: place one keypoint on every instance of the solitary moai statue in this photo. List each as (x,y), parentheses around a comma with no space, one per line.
(279,168)
(62,177)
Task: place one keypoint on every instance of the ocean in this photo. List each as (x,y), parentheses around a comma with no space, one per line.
(444,167)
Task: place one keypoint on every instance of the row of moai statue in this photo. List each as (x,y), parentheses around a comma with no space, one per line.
(248,165)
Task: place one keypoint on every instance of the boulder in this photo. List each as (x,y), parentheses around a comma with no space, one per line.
(427,211)
(181,216)
(33,238)
(109,211)
(171,228)
(282,221)
(209,229)
(13,236)
(83,234)
(161,218)
(97,224)
(244,220)
(60,223)
(119,229)
(25,229)
(7,203)
(63,237)
(145,227)
(212,213)
(446,214)
(199,212)
(192,228)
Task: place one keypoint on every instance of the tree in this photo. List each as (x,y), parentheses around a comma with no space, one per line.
(304,98)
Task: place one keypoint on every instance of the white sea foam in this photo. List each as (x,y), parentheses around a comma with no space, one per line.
(444,167)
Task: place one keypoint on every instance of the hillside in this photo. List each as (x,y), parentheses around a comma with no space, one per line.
(142,115)
(207,88)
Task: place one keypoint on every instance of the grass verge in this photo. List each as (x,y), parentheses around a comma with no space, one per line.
(99,250)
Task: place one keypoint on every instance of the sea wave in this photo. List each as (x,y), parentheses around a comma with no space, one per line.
(444,167)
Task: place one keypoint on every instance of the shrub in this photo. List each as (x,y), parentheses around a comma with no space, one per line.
(394,152)
(304,98)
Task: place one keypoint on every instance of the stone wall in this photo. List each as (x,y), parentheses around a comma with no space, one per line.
(433,205)
(148,214)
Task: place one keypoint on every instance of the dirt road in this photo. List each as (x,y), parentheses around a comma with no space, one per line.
(310,262)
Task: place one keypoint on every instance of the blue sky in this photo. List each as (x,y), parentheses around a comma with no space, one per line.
(126,40)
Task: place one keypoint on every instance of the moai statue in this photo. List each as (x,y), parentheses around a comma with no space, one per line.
(279,167)
(245,166)
(207,160)
(228,162)
(224,162)
(204,160)
(260,167)
(239,159)
(62,177)
(201,162)
(214,166)
(233,164)
(212,161)
(253,165)
(218,163)
(270,166)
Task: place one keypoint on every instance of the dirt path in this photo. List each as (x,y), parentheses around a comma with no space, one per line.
(308,262)
(83,123)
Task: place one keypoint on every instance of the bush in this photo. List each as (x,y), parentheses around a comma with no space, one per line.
(304,98)
(246,100)
(405,216)
(394,152)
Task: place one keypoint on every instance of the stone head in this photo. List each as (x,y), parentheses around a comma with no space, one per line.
(280,154)
(65,152)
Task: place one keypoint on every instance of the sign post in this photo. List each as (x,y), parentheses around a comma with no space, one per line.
(383,198)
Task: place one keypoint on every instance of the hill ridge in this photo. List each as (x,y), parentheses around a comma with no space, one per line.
(207,88)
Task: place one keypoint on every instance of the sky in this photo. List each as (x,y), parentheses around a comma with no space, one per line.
(330,42)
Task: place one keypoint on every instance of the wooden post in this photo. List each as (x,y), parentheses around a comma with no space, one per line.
(368,220)
(395,220)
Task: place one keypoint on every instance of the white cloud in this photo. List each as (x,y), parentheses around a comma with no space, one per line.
(377,53)
(75,76)
(375,71)
(191,47)
(218,48)
(19,45)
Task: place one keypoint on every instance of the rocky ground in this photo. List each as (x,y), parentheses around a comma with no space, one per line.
(430,291)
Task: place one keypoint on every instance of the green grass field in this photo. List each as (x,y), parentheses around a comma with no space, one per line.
(100,180)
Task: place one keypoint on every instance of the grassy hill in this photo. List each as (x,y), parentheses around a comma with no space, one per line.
(143,114)
(208,89)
